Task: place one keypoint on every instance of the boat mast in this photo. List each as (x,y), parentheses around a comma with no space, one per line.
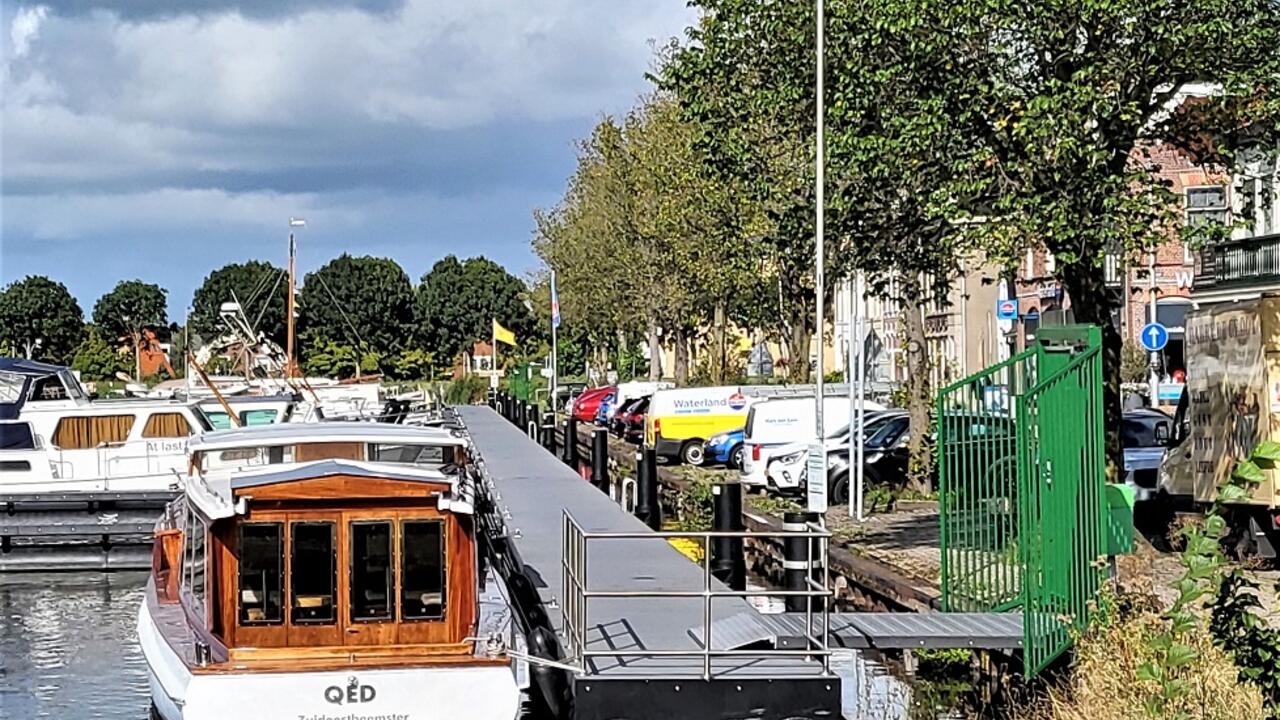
(290,364)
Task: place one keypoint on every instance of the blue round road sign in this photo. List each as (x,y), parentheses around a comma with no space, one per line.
(1154,337)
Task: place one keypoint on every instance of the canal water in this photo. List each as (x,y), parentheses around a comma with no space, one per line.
(68,652)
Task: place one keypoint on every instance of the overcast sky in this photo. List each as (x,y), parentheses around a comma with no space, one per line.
(143,142)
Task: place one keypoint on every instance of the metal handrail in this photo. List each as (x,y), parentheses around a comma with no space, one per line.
(577,595)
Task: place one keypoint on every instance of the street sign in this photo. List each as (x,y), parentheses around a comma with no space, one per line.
(1007,309)
(816,482)
(1154,337)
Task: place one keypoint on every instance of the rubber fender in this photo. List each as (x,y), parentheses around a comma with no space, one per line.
(553,683)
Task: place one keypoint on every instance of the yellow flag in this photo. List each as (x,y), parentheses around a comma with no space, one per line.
(503,335)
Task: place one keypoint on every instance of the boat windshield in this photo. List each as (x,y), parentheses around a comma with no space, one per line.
(11,387)
(202,418)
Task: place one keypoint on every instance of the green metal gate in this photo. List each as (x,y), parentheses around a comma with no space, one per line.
(1021,476)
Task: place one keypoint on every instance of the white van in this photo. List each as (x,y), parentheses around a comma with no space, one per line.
(778,423)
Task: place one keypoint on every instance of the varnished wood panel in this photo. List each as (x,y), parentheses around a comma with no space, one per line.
(343,487)
(309,452)
(166,564)
(355,659)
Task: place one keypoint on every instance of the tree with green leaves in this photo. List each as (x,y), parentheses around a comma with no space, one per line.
(259,287)
(96,359)
(129,308)
(40,314)
(1073,95)
(364,303)
(457,301)
(745,77)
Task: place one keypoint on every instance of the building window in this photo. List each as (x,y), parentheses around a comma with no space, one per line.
(372,571)
(166,425)
(82,433)
(261,576)
(1050,263)
(312,573)
(1206,206)
(422,595)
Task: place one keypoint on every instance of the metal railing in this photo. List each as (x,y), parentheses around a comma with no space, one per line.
(578,594)
(1246,260)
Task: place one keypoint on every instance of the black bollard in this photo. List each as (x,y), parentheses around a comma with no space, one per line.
(522,415)
(648,503)
(506,406)
(571,442)
(795,556)
(600,459)
(727,561)
(533,425)
(549,432)
(491,398)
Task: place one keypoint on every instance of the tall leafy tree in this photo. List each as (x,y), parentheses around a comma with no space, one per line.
(1074,91)
(129,308)
(365,303)
(458,299)
(745,76)
(39,309)
(259,287)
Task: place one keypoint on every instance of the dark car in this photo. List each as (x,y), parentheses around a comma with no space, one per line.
(628,422)
(981,443)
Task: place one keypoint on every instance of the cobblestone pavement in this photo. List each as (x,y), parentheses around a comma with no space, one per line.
(906,539)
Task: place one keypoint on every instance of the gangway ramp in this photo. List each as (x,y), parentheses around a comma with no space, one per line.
(654,664)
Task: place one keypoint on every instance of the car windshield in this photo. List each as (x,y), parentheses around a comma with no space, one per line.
(1139,431)
(886,432)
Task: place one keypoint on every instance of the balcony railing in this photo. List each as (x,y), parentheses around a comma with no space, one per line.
(1239,262)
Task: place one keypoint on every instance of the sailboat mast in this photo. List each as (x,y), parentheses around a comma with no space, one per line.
(291,364)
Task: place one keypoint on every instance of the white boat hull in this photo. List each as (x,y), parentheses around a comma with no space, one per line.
(481,692)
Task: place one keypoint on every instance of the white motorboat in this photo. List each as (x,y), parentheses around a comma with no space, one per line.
(55,439)
(326,570)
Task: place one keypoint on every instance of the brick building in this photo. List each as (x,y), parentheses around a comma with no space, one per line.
(1165,277)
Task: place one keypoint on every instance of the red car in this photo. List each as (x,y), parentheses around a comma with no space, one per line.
(586,404)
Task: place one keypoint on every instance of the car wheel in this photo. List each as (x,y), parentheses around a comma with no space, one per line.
(691,453)
(735,456)
(838,490)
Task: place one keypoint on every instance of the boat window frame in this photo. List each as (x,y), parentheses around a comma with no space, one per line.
(402,548)
(335,590)
(281,554)
(393,564)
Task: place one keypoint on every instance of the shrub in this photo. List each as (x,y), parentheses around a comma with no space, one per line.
(466,390)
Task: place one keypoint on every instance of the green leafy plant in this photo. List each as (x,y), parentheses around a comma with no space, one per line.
(1234,625)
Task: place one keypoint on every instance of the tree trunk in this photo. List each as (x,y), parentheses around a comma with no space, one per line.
(719,344)
(655,351)
(798,347)
(919,396)
(1091,304)
(623,371)
(681,338)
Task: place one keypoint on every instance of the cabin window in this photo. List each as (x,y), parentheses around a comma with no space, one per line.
(258,417)
(15,466)
(372,571)
(11,385)
(166,425)
(195,568)
(310,452)
(219,420)
(422,582)
(16,436)
(313,572)
(48,388)
(261,576)
(82,433)
(427,455)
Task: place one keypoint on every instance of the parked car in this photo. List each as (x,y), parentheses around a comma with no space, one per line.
(604,410)
(586,404)
(787,468)
(725,448)
(784,422)
(628,422)
(1144,433)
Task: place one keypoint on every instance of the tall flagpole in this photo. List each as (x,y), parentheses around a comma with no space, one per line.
(555,323)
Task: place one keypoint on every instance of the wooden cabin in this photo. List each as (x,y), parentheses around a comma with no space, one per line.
(329,556)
